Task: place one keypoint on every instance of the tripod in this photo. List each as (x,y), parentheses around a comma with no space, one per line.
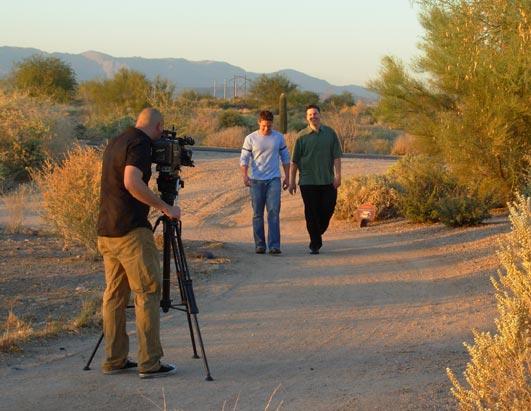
(172,245)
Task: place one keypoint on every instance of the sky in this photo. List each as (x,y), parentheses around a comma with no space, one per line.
(341,41)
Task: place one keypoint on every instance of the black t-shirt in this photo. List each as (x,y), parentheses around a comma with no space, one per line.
(120,212)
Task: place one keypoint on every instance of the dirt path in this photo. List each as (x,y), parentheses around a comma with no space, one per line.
(370,323)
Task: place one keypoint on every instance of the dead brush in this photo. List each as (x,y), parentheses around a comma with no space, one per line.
(15,332)
(231,137)
(16,204)
(70,193)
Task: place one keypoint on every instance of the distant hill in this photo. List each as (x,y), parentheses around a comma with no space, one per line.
(198,75)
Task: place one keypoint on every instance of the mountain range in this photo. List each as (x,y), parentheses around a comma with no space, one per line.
(204,76)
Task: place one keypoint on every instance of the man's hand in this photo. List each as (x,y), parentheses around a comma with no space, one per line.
(246,181)
(173,212)
(285,184)
(292,188)
(337,182)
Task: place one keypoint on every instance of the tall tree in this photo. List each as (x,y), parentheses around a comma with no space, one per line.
(42,76)
(266,89)
(468,100)
(126,93)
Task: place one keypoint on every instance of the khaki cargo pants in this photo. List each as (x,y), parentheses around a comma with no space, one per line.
(131,263)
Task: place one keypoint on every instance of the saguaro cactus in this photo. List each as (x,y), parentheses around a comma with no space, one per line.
(283,113)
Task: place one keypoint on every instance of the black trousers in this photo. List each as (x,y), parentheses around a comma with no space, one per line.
(319,203)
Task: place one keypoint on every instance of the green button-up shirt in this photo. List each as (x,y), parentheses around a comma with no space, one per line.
(314,153)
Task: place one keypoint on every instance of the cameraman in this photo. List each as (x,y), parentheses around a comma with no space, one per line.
(125,240)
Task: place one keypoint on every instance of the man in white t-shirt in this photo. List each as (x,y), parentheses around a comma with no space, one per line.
(264,151)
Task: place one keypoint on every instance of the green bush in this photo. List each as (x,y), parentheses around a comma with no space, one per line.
(428,192)
(232,118)
(106,130)
(461,207)
(18,158)
(48,77)
(374,189)
(421,182)
(31,131)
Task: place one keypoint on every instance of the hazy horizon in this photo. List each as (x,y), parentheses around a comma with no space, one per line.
(342,43)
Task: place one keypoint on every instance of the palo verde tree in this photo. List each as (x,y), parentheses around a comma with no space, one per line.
(125,94)
(468,101)
(266,89)
(42,76)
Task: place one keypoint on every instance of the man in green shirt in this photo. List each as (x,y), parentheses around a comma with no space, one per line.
(317,157)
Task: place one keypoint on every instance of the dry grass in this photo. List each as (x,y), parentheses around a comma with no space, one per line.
(404,144)
(70,193)
(16,204)
(231,137)
(15,332)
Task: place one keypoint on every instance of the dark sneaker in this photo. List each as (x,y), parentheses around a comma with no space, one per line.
(314,251)
(275,251)
(126,367)
(260,250)
(163,371)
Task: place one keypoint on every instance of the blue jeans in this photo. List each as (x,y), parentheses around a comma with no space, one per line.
(266,193)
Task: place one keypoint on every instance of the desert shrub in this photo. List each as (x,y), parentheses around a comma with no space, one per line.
(70,192)
(231,118)
(105,130)
(345,126)
(16,205)
(18,158)
(428,192)
(404,144)
(47,77)
(230,138)
(422,182)
(31,131)
(462,207)
(374,189)
(498,374)
(202,122)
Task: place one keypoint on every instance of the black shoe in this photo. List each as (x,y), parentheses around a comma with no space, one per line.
(275,251)
(126,367)
(314,251)
(260,250)
(163,371)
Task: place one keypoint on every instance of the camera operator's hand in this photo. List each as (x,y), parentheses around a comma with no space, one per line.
(174,212)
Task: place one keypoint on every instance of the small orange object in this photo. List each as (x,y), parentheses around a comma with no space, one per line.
(365,213)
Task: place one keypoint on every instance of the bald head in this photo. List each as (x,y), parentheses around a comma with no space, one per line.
(150,121)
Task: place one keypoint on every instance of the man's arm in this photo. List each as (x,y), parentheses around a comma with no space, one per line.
(245,175)
(138,189)
(337,172)
(285,183)
(292,178)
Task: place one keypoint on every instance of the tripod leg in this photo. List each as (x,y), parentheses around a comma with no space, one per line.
(87,366)
(205,362)
(178,254)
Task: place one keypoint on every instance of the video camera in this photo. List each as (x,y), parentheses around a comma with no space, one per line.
(169,152)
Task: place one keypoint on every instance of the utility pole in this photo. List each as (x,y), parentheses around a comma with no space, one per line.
(234,81)
(225,89)
(214,91)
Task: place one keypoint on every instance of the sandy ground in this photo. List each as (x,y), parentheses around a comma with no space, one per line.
(369,324)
